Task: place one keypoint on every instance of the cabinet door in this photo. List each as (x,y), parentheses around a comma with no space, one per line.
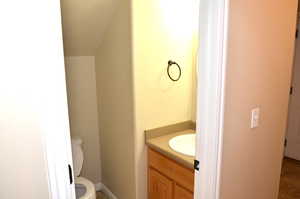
(181,193)
(159,186)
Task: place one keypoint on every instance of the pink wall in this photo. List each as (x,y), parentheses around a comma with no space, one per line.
(261,44)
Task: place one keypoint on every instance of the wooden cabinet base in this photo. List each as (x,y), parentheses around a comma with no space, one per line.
(181,193)
(160,187)
(167,179)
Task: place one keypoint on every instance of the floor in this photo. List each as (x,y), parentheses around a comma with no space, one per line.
(290,180)
(101,195)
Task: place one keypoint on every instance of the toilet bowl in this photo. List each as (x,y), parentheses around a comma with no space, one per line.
(84,188)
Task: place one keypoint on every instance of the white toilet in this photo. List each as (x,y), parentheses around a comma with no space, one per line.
(84,188)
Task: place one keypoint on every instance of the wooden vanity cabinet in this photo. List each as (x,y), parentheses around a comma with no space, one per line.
(160,187)
(181,193)
(167,179)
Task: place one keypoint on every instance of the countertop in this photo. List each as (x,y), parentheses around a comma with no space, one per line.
(161,144)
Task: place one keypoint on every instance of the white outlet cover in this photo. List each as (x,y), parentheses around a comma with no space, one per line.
(255,114)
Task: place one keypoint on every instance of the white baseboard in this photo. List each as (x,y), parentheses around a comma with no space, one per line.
(98,186)
(101,187)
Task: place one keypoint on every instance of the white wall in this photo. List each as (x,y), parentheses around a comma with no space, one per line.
(260,54)
(21,148)
(82,99)
(33,97)
(162,30)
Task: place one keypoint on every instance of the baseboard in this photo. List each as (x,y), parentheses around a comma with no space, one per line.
(101,187)
(98,186)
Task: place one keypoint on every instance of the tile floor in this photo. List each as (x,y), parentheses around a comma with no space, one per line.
(290,180)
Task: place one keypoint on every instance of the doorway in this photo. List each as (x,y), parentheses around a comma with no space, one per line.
(292,143)
(290,173)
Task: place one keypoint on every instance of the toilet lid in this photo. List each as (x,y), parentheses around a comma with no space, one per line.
(77,156)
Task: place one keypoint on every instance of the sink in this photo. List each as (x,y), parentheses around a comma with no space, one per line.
(184,144)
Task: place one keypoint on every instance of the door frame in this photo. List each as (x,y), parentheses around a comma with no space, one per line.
(213,27)
(213,31)
(288,152)
(55,120)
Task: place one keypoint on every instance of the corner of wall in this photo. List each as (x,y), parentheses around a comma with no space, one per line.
(115,104)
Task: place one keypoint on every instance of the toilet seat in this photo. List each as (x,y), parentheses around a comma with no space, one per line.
(84,188)
(90,192)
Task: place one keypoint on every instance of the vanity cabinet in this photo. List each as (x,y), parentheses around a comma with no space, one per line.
(167,179)
(160,187)
(181,193)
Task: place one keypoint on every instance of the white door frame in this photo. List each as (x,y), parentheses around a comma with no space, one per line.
(213,27)
(55,118)
(292,137)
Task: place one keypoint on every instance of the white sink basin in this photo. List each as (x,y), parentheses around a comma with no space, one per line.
(184,144)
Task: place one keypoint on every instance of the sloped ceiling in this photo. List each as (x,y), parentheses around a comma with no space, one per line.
(84,23)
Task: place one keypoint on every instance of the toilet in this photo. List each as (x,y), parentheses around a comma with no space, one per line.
(84,188)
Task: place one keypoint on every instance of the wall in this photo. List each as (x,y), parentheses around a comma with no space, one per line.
(260,53)
(115,104)
(82,99)
(162,31)
(33,100)
(84,23)
(23,162)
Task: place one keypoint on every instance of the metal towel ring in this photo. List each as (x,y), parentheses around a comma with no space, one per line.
(170,63)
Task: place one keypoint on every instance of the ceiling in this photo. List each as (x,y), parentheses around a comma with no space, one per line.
(84,23)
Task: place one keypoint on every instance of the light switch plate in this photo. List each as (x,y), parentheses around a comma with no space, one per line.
(255,117)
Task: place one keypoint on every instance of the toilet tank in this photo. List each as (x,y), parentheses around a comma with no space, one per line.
(77,155)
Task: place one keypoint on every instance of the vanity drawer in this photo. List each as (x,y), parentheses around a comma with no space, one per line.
(180,174)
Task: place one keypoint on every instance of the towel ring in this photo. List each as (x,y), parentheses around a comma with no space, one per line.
(170,63)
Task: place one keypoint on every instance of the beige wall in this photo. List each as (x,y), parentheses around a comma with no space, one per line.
(162,31)
(261,39)
(84,23)
(115,102)
(82,99)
